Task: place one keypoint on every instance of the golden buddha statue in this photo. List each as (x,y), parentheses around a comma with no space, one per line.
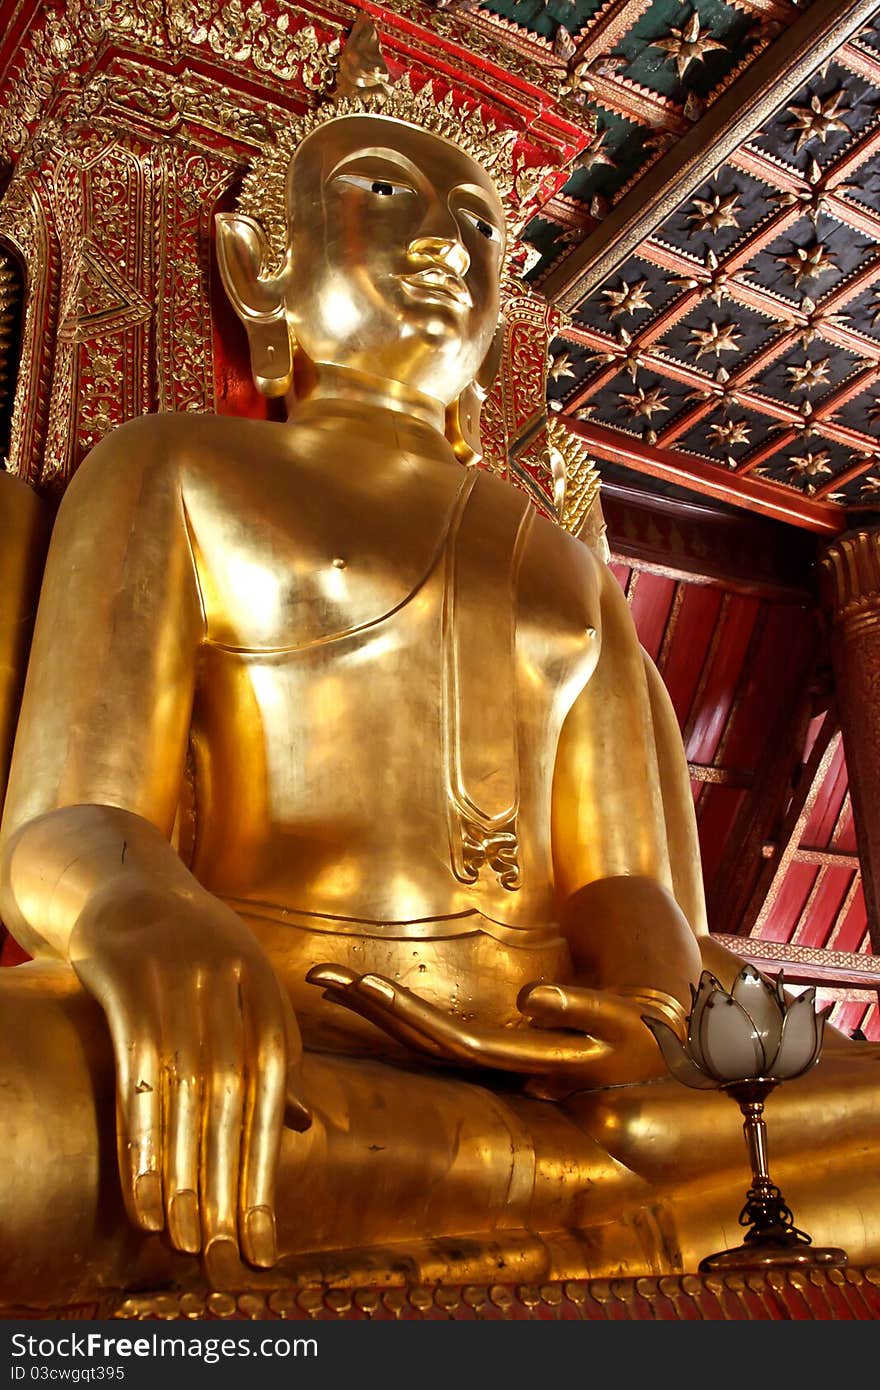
(350,829)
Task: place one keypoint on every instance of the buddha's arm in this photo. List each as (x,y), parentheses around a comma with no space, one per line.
(617,868)
(106,708)
(86,871)
(679,815)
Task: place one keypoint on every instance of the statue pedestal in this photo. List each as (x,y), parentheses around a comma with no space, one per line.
(790,1295)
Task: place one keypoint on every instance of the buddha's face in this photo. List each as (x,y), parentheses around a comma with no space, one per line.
(398,240)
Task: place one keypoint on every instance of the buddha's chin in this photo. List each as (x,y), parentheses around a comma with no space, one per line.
(439,369)
(441,360)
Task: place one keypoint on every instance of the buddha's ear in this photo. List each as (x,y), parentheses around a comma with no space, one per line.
(463,415)
(258,299)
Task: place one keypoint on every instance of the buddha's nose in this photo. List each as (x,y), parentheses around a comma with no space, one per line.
(447,251)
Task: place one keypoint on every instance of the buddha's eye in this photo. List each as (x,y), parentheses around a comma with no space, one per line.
(485,228)
(380,188)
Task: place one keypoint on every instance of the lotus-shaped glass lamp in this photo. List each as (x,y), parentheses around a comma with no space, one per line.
(745,1043)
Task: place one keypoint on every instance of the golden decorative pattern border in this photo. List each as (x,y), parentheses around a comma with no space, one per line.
(775,1295)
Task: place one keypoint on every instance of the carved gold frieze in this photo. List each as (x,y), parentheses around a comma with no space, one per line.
(23,225)
(788,1295)
(10,309)
(118,314)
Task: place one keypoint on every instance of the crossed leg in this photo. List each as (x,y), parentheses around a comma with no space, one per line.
(408,1175)
(400,1173)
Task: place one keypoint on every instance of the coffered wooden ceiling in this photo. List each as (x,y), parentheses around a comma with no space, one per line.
(743,332)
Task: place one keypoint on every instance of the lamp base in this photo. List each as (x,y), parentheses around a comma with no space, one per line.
(772,1255)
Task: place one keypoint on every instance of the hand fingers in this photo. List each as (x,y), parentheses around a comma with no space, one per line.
(549,1006)
(268,1050)
(223,1102)
(330,975)
(183,1090)
(138,1107)
(389,1023)
(402,1013)
(202,1084)
(593,1012)
(374,1002)
(430,1024)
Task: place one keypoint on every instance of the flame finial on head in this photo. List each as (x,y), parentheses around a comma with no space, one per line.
(362,67)
(364,87)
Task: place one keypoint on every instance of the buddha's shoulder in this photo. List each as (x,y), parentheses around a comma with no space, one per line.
(186,449)
(184,437)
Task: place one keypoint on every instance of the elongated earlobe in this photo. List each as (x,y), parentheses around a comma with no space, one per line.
(258,299)
(463,415)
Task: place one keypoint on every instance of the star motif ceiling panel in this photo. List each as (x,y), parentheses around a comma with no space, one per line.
(744,333)
(648,68)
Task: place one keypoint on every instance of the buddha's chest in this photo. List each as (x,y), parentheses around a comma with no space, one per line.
(410,694)
(309,565)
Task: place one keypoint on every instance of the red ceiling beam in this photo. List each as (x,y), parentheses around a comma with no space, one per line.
(700,544)
(707,479)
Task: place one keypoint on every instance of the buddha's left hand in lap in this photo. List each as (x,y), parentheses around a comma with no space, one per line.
(573,1035)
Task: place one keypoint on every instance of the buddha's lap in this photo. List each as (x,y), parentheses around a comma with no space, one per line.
(472,974)
(55,1048)
(438,1146)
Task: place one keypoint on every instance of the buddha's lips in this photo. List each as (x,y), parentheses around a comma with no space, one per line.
(437,281)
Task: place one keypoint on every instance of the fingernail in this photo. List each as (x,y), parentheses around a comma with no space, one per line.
(183,1222)
(148,1200)
(223,1264)
(372,984)
(331,975)
(548,994)
(259,1230)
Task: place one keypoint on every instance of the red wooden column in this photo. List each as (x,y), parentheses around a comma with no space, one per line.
(850,580)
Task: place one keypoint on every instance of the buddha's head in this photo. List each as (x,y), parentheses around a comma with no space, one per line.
(395,245)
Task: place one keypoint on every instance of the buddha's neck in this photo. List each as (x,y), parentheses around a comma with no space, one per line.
(342,391)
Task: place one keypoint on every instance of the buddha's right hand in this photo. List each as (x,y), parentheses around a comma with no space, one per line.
(207,1059)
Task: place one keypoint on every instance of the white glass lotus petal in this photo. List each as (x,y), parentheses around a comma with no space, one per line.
(707,987)
(730,1045)
(821,1020)
(800,1035)
(822,1017)
(676,1057)
(761,1002)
